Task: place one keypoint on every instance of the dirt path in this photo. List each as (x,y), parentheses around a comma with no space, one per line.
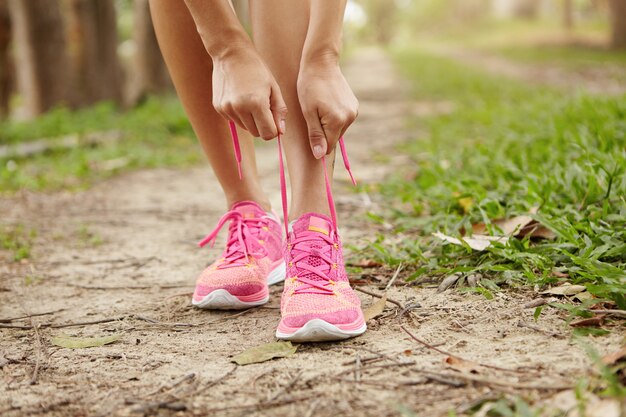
(125,249)
(605,79)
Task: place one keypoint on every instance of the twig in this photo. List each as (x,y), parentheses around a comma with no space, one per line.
(285,388)
(216,381)
(443,352)
(539,329)
(60,326)
(357,368)
(30,315)
(173,385)
(499,383)
(261,405)
(387,365)
(373,294)
(160,323)
(393,278)
(127,287)
(620,313)
(39,347)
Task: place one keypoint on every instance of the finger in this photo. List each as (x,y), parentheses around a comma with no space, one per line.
(351,118)
(278,108)
(265,122)
(332,130)
(317,137)
(248,123)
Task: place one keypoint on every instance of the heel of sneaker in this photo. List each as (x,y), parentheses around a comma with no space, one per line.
(277,274)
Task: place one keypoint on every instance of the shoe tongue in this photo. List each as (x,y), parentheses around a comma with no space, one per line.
(318,224)
(249,209)
(312,222)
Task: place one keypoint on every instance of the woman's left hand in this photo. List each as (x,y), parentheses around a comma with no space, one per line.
(328,105)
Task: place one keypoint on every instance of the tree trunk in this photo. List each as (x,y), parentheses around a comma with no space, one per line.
(93,45)
(149,71)
(6,64)
(40,54)
(568,15)
(618,24)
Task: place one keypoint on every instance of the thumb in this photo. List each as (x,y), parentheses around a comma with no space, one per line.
(317,138)
(278,108)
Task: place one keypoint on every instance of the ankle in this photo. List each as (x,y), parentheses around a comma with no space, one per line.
(260,200)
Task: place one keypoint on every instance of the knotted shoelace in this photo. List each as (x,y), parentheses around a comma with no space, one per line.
(241,231)
(303,246)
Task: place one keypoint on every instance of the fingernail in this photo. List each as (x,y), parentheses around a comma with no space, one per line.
(318,152)
(282,127)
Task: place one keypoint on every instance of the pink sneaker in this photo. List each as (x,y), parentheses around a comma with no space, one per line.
(317,303)
(252,260)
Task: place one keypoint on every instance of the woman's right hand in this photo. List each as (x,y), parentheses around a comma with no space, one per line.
(245,92)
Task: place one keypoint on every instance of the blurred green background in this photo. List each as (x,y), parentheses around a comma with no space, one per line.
(83,80)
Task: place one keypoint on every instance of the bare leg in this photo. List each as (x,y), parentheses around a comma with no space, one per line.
(191,67)
(279,28)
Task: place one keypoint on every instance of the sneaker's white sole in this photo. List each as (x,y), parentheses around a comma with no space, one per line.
(223,300)
(318,330)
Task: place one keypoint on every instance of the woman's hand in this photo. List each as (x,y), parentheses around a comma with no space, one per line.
(245,92)
(328,104)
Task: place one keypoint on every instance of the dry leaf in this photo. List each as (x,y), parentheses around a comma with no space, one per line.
(567,402)
(534,229)
(565,289)
(265,352)
(476,242)
(448,282)
(367,263)
(536,303)
(596,321)
(461,364)
(583,296)
(71,342)
(613,358)
(375,309)
(508,226)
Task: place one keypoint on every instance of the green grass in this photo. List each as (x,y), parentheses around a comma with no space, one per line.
(17,241)
(574,57)
(506,148)
(154,134)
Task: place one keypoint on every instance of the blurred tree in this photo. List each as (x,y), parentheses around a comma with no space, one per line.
(6,63)
(149,73)
(568,14)
(40,54)
(92,41)
(618,23)
(381,16)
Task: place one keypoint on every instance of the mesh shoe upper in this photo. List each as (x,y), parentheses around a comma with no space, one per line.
(253,249)
(316,285)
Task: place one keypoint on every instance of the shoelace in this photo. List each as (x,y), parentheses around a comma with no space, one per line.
(305,249)
(241,230)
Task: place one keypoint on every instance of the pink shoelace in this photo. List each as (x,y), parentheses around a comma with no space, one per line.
(241,231)
(302,246)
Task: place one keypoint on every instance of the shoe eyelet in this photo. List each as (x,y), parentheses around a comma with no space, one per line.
(336,246)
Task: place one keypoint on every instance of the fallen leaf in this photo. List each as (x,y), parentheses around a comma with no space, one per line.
(367,263)
(536,303)
(565,289)
(508,226)
(560,274)
(72,342)
(375,309)
(476,242)
(537,230)
(596,321)
(448,282)
(265,352)
(473,279)
(613,358)
(461,364)
(583,296)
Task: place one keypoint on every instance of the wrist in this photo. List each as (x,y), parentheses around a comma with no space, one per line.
(320,57)
(229,43)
